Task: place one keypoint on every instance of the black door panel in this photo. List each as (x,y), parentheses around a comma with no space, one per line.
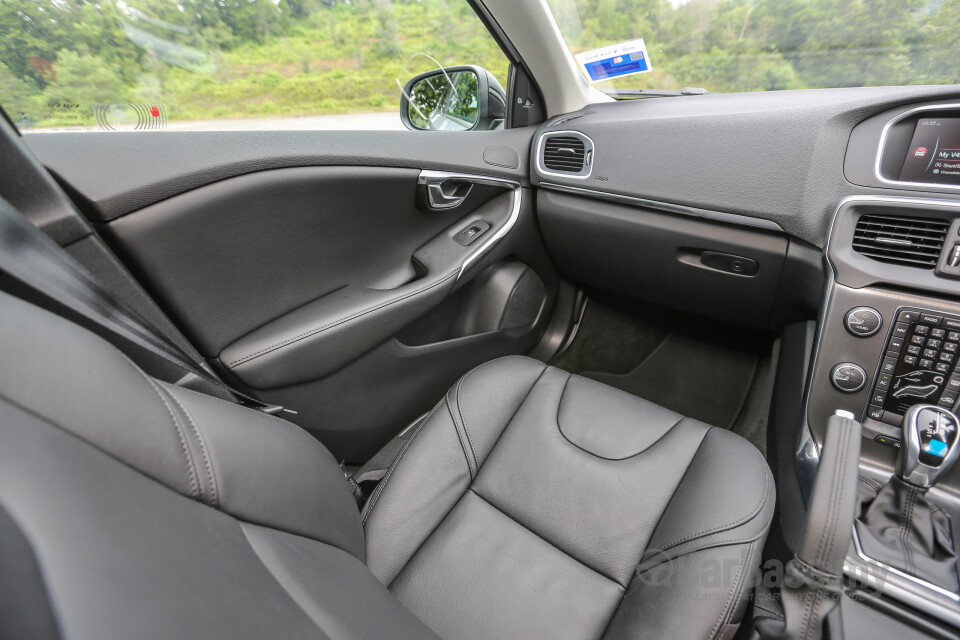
(116,174)
(339,292)
(321,336)
(230,257)
(357,409)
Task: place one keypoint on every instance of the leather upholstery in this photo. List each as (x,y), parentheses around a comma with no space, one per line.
(157,512)
(529,503)
(533,503)
(898,526)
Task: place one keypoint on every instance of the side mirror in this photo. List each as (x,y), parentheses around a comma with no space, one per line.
(453,99)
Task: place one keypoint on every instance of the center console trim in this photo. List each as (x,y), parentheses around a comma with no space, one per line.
(915,592)
(883,141)
(876,575)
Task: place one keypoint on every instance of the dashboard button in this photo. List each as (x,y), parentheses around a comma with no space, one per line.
(850,378)
(896,344)
(951,323)
(889,364)
(921,330)
(913,350)
(883,381)
(942,367)
(911,360)
(878,397)
(933,343)
(930,353)
(863,321)
(875,413)
(953,335)
(938,333)
(947,357)
(927,318)
(900,330)
(916,340)
(926,363)
(908,316)
(887,441)
(949,398)
(950,347)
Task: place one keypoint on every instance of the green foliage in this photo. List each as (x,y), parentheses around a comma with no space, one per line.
(211,59)
(85,80)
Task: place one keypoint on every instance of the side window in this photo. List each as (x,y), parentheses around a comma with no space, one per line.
(187,65)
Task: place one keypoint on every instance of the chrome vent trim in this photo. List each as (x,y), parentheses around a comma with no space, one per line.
(901,240)
(568,154)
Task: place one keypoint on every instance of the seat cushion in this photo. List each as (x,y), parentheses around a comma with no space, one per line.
(533,503)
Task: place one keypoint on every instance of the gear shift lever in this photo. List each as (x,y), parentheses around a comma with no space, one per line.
(929,445)
(898,526)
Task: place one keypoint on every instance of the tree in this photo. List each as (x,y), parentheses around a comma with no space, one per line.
(84,80)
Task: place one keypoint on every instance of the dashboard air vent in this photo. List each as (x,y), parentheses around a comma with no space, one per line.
(564,153)
(911,242)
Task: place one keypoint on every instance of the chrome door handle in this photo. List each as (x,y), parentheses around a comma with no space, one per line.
(448,194)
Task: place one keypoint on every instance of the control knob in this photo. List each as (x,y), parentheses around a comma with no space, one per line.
(848,377)
(862,321)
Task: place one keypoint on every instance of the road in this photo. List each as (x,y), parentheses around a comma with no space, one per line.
(343,122)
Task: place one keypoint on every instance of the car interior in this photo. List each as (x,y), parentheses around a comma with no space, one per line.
(672,367)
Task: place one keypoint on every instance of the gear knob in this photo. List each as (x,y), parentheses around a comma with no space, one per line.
(930,444)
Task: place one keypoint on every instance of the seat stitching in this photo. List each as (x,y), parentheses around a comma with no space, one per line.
(721,543)
(810,612)
(727,609)
(514,415)
(460,385)
(730,525)
(840,490)
(383,483)
(214,493)
(541,538)
(463,421)
(469,488)
(460,438)
(368,508)
(632,455)
(194,478)
(825,532)
(338,321)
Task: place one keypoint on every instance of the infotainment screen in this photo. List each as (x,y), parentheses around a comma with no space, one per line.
(934,153)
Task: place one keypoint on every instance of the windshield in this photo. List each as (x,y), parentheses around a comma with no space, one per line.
(761,45)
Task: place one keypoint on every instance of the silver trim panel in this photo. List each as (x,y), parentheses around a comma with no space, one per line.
(715,216)
(429,177)
(883,140)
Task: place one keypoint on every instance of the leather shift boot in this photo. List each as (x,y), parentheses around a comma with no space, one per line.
(900,528)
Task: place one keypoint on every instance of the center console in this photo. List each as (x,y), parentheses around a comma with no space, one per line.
(888,349)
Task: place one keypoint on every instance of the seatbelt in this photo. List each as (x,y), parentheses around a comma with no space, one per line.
(40,271)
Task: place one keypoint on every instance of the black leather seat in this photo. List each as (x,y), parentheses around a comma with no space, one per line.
(529,504)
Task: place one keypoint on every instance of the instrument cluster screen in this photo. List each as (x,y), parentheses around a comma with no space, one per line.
(934,153)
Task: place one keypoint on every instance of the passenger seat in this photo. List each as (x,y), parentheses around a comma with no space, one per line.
(528,504)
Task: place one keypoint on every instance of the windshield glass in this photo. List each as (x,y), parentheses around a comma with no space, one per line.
(762,45)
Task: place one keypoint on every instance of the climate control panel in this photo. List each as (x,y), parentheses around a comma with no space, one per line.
(919,365)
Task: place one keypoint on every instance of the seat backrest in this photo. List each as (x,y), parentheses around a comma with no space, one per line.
(151,510)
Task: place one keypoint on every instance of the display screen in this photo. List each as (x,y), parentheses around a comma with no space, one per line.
(934,153)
